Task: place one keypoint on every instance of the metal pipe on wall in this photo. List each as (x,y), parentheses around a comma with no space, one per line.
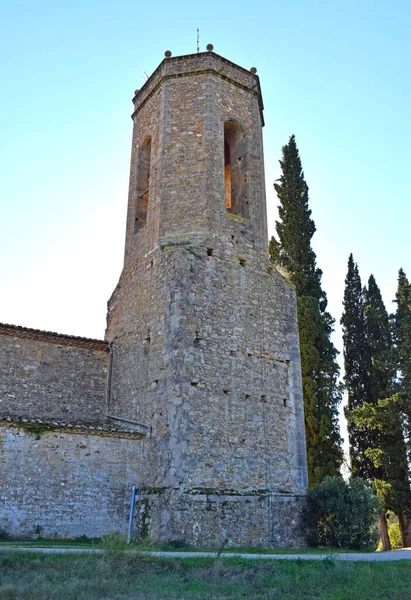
(130,519)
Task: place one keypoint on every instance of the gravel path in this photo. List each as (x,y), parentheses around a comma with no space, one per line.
(403,554)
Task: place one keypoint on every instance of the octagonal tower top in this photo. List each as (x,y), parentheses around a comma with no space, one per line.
(190,64)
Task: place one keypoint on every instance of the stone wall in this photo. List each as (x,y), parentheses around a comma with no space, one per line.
(65,485)
(204,518)
(208,354)
(52,376)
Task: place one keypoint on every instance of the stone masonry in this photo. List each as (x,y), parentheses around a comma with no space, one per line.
(195,396)
(52,376)
(203,329)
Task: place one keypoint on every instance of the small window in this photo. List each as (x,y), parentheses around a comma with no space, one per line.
(235,177)
(227,175)
(143,183)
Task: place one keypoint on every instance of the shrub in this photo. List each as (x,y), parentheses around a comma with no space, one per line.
(177,544)
(395,536)
(4,536)
(341,514)
(114,545)
(393,533)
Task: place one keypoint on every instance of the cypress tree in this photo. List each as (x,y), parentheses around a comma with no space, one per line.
(375,406)
(293,249)
(382,373)
(293,252)
(402,338)
(402,341)
(379,342)
(357,364)
(388,454)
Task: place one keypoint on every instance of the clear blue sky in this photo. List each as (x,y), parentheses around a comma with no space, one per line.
(335,73)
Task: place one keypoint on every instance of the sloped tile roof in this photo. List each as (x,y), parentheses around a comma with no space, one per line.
(52,338)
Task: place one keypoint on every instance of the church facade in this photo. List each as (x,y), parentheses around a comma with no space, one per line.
(195,394)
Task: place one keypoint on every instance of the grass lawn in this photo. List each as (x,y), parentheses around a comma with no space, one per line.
(119,576)
(146,546)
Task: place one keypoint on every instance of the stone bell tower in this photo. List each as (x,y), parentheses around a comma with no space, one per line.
(202,327)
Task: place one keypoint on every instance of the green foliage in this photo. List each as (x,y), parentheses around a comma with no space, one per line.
(341,514)
(390,453)
(178,544)
(402,339)
(379,341)
(114,545)
(92,577)
(4,536)
(36,429)
(402,362)
(357,363)
(378,395)
(395,536)
(402,326)
(84,539)
(329,561)
(292,251)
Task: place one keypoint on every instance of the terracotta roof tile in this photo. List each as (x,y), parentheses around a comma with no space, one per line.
(52,338)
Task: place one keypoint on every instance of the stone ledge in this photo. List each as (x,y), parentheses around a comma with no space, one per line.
(45,425)
(195,238)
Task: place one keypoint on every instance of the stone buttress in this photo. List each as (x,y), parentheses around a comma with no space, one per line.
(202,327)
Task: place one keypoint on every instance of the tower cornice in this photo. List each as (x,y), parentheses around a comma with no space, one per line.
(193,65)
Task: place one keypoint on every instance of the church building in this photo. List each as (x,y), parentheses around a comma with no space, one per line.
(195,394)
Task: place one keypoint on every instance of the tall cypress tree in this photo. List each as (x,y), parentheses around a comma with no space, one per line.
(320,370)
(402,341)
(402,338)
(293,249)
(357,364)
(377,443)
(382,374)
(379,342)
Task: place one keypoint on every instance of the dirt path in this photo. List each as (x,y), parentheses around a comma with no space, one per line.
(403,554)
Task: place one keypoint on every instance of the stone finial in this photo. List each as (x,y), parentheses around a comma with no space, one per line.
(210,47)
(136,92)
(253,70)
(167,54)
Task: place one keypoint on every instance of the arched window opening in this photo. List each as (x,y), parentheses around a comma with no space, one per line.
(227,176)
(235,178)
(143,183)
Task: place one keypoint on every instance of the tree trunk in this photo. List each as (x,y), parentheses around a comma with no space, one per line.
(405,530)
(385,540)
